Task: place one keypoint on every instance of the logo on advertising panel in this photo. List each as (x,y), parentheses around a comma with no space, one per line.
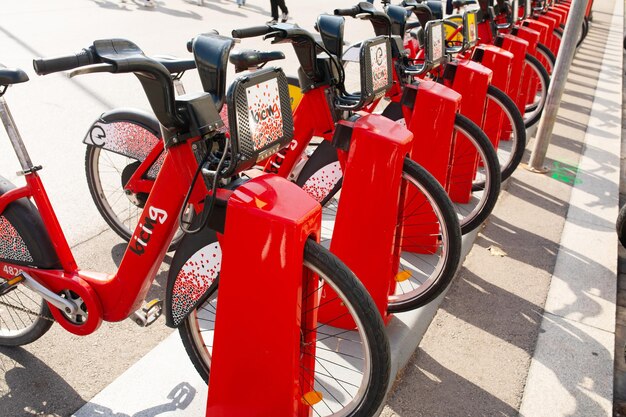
(264,112)
(378,57)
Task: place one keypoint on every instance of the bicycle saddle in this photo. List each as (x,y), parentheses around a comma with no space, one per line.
(398,16)
(248,58)
(211,55)
(330,29)
(422,12)
(10,76)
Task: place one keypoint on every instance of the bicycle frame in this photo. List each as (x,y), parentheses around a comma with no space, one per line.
(110,297)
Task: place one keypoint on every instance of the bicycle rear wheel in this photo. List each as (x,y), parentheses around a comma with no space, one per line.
(107,173)
(351,366)
(24,315)
(431,239)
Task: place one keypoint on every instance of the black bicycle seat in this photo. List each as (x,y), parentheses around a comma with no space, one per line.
(211,55)
(245,59)
(10,76)
(330,30)
(398,17)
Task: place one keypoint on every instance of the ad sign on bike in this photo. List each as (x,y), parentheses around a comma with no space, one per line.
(265,117)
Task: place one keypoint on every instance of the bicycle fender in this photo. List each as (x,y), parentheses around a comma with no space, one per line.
(129,132)
(23,238)
(193,275)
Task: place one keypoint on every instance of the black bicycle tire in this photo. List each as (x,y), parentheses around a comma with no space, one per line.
(331,266)
(24,219)
(441,283)
(548,55)
(620,225)
(583,32)
(41,327)
(540,71)
(508,105)
(491,167)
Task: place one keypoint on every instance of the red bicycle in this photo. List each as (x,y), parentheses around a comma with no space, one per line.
(41,283)
(473,151)
(421,275)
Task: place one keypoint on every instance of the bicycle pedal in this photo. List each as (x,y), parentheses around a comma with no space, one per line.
(10,285)
(149,314)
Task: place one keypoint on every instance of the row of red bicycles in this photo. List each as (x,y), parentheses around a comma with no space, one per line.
(372,163)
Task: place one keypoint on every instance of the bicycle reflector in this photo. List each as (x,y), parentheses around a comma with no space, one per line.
(259,115)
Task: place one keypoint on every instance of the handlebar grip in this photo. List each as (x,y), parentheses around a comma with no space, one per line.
(252,32)
(353,11)
(271,56)
(45,66)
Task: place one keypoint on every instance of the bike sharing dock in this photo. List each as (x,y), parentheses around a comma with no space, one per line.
(528,326)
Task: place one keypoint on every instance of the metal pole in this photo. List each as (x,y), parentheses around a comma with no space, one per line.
(567,49)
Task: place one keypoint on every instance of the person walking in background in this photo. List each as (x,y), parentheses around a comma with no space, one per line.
(283,8)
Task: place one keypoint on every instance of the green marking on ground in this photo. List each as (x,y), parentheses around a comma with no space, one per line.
(565,173)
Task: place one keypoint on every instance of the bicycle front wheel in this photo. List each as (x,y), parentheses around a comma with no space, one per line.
(620,225)
(351,367)
(430,243)
(512,137)
(479,154)
(535,104)
(547,57)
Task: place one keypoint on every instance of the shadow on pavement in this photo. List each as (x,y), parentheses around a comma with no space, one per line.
(29,387)
(180,397)
(135,5)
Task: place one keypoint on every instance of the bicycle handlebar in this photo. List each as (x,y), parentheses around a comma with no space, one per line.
(352,12)
(303,43)
(44,66)
(380,21)
(123,56)
(252,32)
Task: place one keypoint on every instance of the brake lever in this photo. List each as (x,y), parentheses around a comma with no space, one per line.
(88,69)
(276,34)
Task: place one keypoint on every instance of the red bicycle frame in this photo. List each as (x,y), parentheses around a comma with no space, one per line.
(113,297)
